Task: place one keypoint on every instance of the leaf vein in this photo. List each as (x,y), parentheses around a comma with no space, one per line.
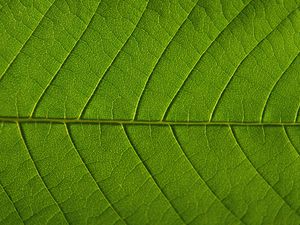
(200,176)
(198,61)
(275,84)
(151,175)
(242,62)
(12,202)
(259,173)
(290,140)
(92,176)
(63,63)
(89,99)
(140,122)
(160,58)
(21,132)
(14,59)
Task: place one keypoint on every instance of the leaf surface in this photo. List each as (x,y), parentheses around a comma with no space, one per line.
(150,112)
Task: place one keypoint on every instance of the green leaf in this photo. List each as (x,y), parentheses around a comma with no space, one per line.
(150,112)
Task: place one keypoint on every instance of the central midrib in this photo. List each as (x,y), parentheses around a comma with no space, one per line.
(141,122)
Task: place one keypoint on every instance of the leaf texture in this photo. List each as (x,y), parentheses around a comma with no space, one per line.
(150,112)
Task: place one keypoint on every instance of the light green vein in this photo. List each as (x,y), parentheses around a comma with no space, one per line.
(92,176)
(259,173)
(151,175)
(38,172)
(82,111)
(12,202)
(141,122)
(160,58)
(289,140)
(63,63)
(165,114)
(297,113)
(202,179)
(242,62)
(275,84)
(16,56)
